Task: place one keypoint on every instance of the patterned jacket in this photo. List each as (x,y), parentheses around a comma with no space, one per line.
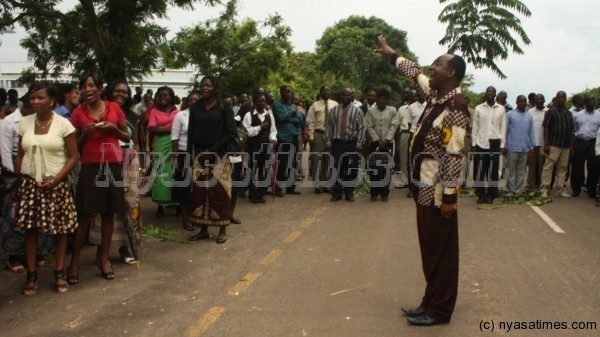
(437,146)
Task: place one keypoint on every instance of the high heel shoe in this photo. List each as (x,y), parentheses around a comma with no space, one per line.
(61,275)
(72,279)
(31,284)
(110,275)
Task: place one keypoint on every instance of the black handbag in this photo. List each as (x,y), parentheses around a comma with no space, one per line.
(9,181)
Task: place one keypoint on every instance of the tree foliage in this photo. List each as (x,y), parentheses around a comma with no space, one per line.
(346,50)
(482,30)
(240,54)
(113,37)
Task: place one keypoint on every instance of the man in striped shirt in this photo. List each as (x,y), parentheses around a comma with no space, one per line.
(344,137)
(558,145)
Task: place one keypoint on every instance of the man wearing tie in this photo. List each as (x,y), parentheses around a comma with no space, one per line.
(345,136)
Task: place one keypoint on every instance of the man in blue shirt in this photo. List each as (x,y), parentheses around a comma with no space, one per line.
(520,140)
(288,121)
(587,123)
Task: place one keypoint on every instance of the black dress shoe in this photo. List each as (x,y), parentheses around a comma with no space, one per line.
(413,312)
(424,320)
(235,221)
(481,200)
(489,201)
(384,199)
(350,198)
(335,198)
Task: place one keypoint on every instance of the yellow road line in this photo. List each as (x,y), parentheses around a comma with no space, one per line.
(292,237)
(271,257)
(243,284)
(308,222)
(320,211)
(208,319)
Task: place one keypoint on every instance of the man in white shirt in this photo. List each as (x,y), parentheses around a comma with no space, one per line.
(488,136)
(9,138)
(317,119)
(260,124)
(415,110)
(535,162)
(401,154)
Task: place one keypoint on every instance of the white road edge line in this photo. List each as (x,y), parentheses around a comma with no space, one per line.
(547,219)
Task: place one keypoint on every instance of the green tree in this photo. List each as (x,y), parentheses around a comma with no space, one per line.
(482,30)
(346,50)
(299,71)
(113,37)
(238,53)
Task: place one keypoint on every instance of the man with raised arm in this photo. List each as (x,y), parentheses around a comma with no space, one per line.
(436,158)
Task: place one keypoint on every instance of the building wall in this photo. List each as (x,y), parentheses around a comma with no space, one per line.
(181,80)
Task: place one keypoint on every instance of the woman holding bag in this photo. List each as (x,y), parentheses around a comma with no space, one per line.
(211,128)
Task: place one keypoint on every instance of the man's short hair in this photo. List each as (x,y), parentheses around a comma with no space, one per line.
(459,65)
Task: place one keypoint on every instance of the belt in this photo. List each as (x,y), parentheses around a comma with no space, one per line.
(586,140)
(320,131)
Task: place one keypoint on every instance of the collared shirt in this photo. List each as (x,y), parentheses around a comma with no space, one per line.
(538,118)
(575,110)
(440,175)
(253,131)
(560,126)
(414,112)
(586,124)
(381,125)
(355,129)
(317,116)
(9,138)
(179,130)
(488,123)
(402,118)
(288,120)
(520,136)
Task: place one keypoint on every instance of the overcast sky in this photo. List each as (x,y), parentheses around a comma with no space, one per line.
(564,53)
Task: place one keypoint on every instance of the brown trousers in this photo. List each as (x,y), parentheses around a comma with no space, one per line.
(438,239)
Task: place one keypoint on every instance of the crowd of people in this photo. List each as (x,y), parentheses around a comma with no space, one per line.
(85,153)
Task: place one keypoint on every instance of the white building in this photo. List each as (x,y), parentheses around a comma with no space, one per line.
(180,80)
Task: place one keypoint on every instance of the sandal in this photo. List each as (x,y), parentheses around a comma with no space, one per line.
(72,279)
(107,275)
(125,256)
(31,284)
(61,275)
(15,266)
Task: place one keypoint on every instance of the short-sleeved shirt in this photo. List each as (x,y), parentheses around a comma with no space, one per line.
(45,155)
(179,130)
(100,147)
(560,124)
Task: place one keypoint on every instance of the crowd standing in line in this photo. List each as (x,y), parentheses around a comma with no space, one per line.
(111,130)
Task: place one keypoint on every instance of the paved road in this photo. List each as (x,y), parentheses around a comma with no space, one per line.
(302,266)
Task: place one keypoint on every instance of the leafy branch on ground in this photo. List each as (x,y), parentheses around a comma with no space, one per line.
(160,233)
